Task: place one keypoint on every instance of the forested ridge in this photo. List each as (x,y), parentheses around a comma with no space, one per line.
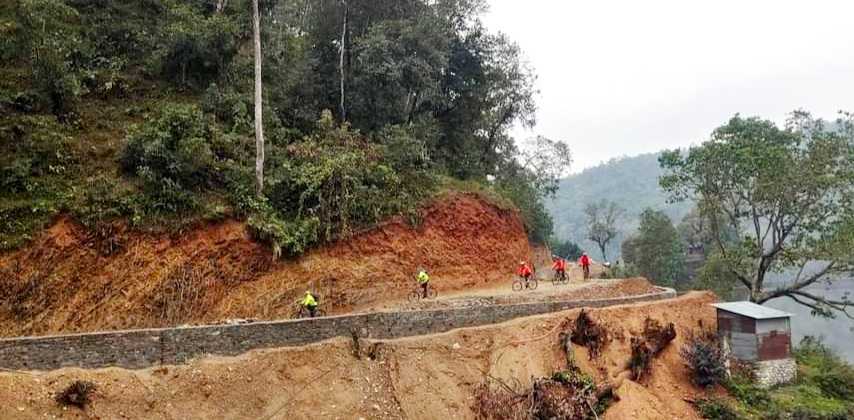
(141,113)
(630,182)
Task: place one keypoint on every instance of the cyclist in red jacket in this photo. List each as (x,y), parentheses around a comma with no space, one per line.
(559,266)
(584,261)
(524,271)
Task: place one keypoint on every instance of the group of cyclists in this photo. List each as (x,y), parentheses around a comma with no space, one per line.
(525,271)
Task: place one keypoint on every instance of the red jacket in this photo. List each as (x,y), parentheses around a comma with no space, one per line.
(524,270)
(584,261)
(559,265)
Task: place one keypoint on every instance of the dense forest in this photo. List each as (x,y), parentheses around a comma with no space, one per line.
(142,112)
(630,182)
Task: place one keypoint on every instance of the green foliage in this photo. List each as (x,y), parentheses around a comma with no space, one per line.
(334,182)
(176,154)
(821,367)
(49,33)
(787,193)
(821,392)
(716,409)
(528,200)
(428,91)
(746,391)
(715,275)
(656,251)
(702,354)
(198,48)
(565,249)
(630,182)
(36,162)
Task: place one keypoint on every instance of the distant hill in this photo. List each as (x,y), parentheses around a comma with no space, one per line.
(631,182)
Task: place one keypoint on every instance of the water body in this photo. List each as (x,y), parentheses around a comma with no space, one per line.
(837,333)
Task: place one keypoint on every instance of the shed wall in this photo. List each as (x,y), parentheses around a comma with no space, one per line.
(774,324)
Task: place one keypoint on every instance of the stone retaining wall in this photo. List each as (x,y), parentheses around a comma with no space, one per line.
(142,348)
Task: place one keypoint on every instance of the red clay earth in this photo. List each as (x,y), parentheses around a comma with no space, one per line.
(68,280)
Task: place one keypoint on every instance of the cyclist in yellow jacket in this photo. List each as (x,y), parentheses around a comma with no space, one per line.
(309,302)
(423,281)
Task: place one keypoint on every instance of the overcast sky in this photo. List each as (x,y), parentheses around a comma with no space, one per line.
(620,78)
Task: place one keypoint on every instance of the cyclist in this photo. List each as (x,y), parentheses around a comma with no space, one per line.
(584,261)
(559,266)
(309,302)
(423,281)
(524,271)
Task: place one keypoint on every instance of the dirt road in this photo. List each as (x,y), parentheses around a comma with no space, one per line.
(426,377)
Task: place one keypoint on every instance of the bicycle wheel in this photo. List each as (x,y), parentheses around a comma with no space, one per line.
(414,296)
(555,280)
(518,285)
(300,313)
(432,293)
(532,284)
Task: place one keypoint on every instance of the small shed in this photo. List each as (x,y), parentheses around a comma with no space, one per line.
(759,335)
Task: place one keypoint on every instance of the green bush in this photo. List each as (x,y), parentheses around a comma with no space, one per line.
(716,409)
(230,107)
(49,33)
(343,181)
(33,147)
(177,154)
(819,366)
(745,390)
(702,353)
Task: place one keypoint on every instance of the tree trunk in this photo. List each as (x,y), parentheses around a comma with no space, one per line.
(259,121)
(602,248)
(343,48)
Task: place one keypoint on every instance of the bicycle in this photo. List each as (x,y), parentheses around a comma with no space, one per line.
(559,278)
(418,293)
(521,283)
(303,312)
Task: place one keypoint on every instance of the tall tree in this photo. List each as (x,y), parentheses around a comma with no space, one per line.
(602,218)
(656,251)
(789,193)
(343,50)
(259,121)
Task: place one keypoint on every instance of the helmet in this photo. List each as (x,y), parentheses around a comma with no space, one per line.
(307,292)
(522,262)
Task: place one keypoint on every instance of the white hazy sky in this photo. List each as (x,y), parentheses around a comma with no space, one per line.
(620,78)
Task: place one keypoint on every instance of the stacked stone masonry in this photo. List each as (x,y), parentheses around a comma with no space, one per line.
(770,373)
(136,349)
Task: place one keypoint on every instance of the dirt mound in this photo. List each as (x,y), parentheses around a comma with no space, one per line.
(430,377)
(72,280)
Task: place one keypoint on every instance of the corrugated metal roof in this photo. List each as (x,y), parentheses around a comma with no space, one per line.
(752,310)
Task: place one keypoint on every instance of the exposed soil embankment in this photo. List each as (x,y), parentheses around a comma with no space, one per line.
(428,377)
(71,280)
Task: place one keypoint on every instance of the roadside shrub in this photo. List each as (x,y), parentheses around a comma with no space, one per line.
(745,390)
(716,409)
(292,237)
(77,394)
(704,358)
(343,181)
(821,367)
